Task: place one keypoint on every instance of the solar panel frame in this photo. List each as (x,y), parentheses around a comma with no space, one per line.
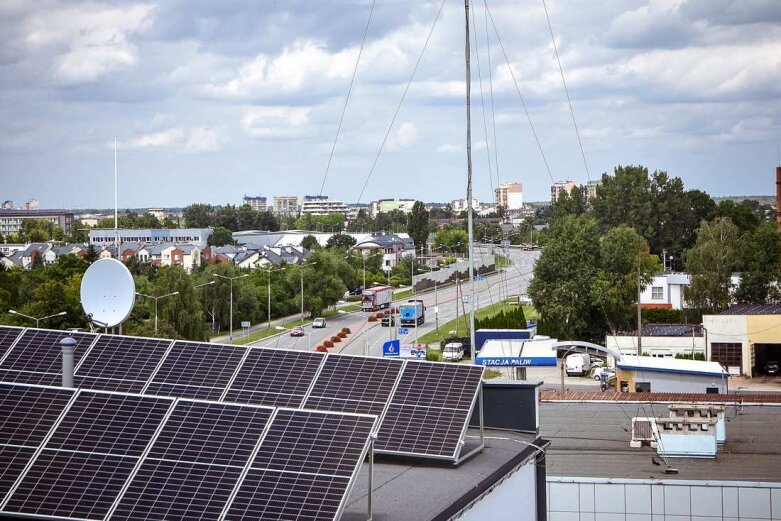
(38,350)
(13,461)
(121,363)
(8,337)
(171,375)
(36,415)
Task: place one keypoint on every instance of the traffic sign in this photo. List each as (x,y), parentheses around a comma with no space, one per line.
(403,331)
(245,324)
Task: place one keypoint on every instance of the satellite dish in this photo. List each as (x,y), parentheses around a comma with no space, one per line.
(108,292)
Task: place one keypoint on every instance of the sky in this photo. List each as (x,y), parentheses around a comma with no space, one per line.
(213,100)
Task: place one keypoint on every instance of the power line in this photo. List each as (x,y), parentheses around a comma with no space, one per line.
(347,99)
(482,106)
(491,88)
(518,90)
(566,90)
(401,101)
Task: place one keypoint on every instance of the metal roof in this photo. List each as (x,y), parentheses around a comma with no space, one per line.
(669,330)
(754,309)
(670,365)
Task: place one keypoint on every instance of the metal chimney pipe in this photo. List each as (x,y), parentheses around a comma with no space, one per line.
(68,345)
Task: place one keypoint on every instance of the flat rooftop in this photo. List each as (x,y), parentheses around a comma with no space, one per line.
(592,440)
(408,490)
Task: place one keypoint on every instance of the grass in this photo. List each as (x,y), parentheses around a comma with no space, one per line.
(500,261)
(463,326)
(405,293)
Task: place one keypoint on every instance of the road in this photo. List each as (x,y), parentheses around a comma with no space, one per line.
(492,289)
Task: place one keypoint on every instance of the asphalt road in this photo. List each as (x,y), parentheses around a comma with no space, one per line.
(513,281)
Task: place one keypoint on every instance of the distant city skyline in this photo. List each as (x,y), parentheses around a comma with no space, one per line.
(210,101)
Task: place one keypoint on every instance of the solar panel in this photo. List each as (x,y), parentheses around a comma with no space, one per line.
(274,377)
(24,377)
(430,409)
(304,466)
(39,351)
(13,460)
(196,370)
(175,490)
(27,414)
(71,484)
(8,335)
(211,433)
(120,363)
(109,423)
(354,384)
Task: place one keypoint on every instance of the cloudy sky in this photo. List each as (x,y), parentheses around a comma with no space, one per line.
(211,100)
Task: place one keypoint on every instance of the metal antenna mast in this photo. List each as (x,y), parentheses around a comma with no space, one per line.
(470,210)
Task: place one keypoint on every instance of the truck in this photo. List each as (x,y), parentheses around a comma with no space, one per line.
(413,313)
(378,297)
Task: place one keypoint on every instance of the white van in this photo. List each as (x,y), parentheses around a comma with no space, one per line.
(453,352)
(578,364)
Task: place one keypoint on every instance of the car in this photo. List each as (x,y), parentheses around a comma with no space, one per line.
(318,323)
(297,331)
(599,371)
(453,351)
(388,322)
(525,301)
(771,368)
(597,362)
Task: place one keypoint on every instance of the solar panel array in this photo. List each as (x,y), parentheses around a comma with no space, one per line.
(87,454)
(422,407)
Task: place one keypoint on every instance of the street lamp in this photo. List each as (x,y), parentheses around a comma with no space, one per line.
(268,274)
(365,330)
(301,271)
(156,299)
(37,320)
(363,259)
(205,284)
(231,279)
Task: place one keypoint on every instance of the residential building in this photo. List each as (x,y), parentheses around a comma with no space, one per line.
(322,205)
(157,213)
(559,187)
(286,204)
(591,189)
(11,220)
(393,247)
(510,195)
(195,236)
(257,203)
(744,338)
(460,205)
(32,204)
(665,291)
(661,340)
(7,205)
(388,205)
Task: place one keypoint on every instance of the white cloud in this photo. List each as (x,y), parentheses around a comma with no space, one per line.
(276,121)
(449,148)
(164,138)
(90,40)
(404,136)
(202,139)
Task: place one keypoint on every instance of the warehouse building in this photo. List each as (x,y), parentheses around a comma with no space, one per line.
(645,374)
(661,340)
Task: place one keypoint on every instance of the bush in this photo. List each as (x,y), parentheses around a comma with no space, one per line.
(380,314)
(341,334)
(335,339)
(510,319)
(321,349)
(688,356)
(328,344)
(433,355)
(372,318)
(346,330)
(353,298)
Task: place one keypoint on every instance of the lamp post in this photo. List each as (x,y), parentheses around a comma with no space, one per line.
(302,287)
(37,320)
(205,284)
(268,275)
(156,299)
(365,330)
(231,279)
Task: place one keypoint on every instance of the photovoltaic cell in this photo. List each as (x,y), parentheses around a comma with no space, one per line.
(211,433)
(120,363)
(196,370)
(109,423)
(39,351)
(177,491)
(27,414)
(354,384)
(314,442)
(429,410)
(8,335)
(13,460)
(71,484)
(271,495)
(274,377)
(24,377)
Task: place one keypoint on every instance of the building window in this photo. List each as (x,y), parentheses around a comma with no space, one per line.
(657,292)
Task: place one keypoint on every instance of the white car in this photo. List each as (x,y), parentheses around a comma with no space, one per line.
(453,352)
(318,323)
(597,362)
(599,371)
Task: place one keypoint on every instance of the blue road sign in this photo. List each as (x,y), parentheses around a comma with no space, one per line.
(391,348)
(403,331)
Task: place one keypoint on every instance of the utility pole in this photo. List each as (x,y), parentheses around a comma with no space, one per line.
(639,311)
(470,210)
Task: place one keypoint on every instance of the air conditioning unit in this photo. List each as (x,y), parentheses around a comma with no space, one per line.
(644,431)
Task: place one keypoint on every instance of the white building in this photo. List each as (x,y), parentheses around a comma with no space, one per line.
(322,205)
(665,291)
(157,213)
(388,205)
(559,187)
(286,204)
(460,205)
(661,340)
(195,236)
(510,195)
(258,203)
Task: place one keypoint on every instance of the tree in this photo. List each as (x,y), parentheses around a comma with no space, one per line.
(79,232)
(246,218)
(741,216)
(625,199)
(563,276)
(310,243)
(92,254)
(454,240)
(184,312)
(198,215)
(220,237)
(226,216)
(702,205)
(710,263)
(573,203)
(340,241)
(624,256)
(759,282)
(675,219)
(324,280)
(417,225)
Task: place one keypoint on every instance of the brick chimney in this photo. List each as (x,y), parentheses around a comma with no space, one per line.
(778,195)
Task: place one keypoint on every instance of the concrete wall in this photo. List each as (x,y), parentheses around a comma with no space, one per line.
(514,499)
(729,329)
(592,499)
(483,264)
(670,382)
(628,344)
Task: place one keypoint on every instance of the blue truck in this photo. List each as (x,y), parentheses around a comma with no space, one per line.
(413,313)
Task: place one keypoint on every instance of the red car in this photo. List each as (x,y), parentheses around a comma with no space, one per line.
(297,331)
